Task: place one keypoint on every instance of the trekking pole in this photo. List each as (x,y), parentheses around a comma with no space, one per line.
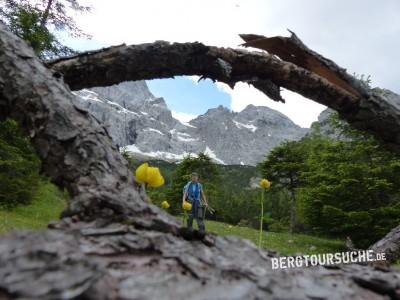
(211,210)
(184,218)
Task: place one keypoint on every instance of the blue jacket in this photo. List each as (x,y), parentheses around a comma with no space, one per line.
(193,191)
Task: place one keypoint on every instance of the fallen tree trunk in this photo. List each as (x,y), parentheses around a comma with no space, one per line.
(113,244)
(122,262)
(76,151)
(389,244)
(306,73)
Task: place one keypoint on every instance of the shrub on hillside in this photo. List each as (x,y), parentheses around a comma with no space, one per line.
(19,166)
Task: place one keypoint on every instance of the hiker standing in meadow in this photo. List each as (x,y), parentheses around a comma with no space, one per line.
(193,193)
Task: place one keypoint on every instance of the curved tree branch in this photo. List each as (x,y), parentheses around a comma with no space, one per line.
(306,73)
(163,60)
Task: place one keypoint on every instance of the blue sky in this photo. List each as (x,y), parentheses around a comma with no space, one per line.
(185,95)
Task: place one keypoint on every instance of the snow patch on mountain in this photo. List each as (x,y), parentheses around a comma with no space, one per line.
(121,109)
(212,155)
(188,124)
(186,139)
(183,134)
(168,156)
(135,118)
(247,126)
(87,95)
(153,130)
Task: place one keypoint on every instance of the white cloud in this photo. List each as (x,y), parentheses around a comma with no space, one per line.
(137,21)
(194,78)
(352,33)
(183,117)
(299,109)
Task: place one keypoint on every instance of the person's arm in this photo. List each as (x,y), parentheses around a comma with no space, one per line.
(204,197)
(184,197)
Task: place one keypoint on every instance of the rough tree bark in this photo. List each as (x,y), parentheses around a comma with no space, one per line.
(390,244)
(76,151)
(114,245)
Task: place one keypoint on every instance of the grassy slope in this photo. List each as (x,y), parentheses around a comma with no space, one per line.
(49,202)
(284,243)
(46,206)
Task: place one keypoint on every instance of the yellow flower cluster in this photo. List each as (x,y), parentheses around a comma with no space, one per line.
(149,175)
(186,206)
(165,204)
(265,183)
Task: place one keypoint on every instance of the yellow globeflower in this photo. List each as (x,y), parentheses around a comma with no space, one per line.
(141,173)
(165,204)
(186,205)
(149,175)
(154,177)
(264,183)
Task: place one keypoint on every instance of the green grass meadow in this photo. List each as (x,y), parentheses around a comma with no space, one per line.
(284,243)
(46,206)
(49,202)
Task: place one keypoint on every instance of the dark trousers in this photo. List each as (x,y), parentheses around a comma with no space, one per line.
(196,214)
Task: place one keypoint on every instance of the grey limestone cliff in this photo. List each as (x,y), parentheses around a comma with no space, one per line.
(135,118)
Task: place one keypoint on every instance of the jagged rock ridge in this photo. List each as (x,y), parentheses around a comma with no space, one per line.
(135,118)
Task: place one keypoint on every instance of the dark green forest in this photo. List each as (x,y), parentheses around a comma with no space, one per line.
(19,166)
(343,184)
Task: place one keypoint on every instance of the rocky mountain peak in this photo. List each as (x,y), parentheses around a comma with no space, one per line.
(220,110)
(135,118)
(264,115)
(130,94)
